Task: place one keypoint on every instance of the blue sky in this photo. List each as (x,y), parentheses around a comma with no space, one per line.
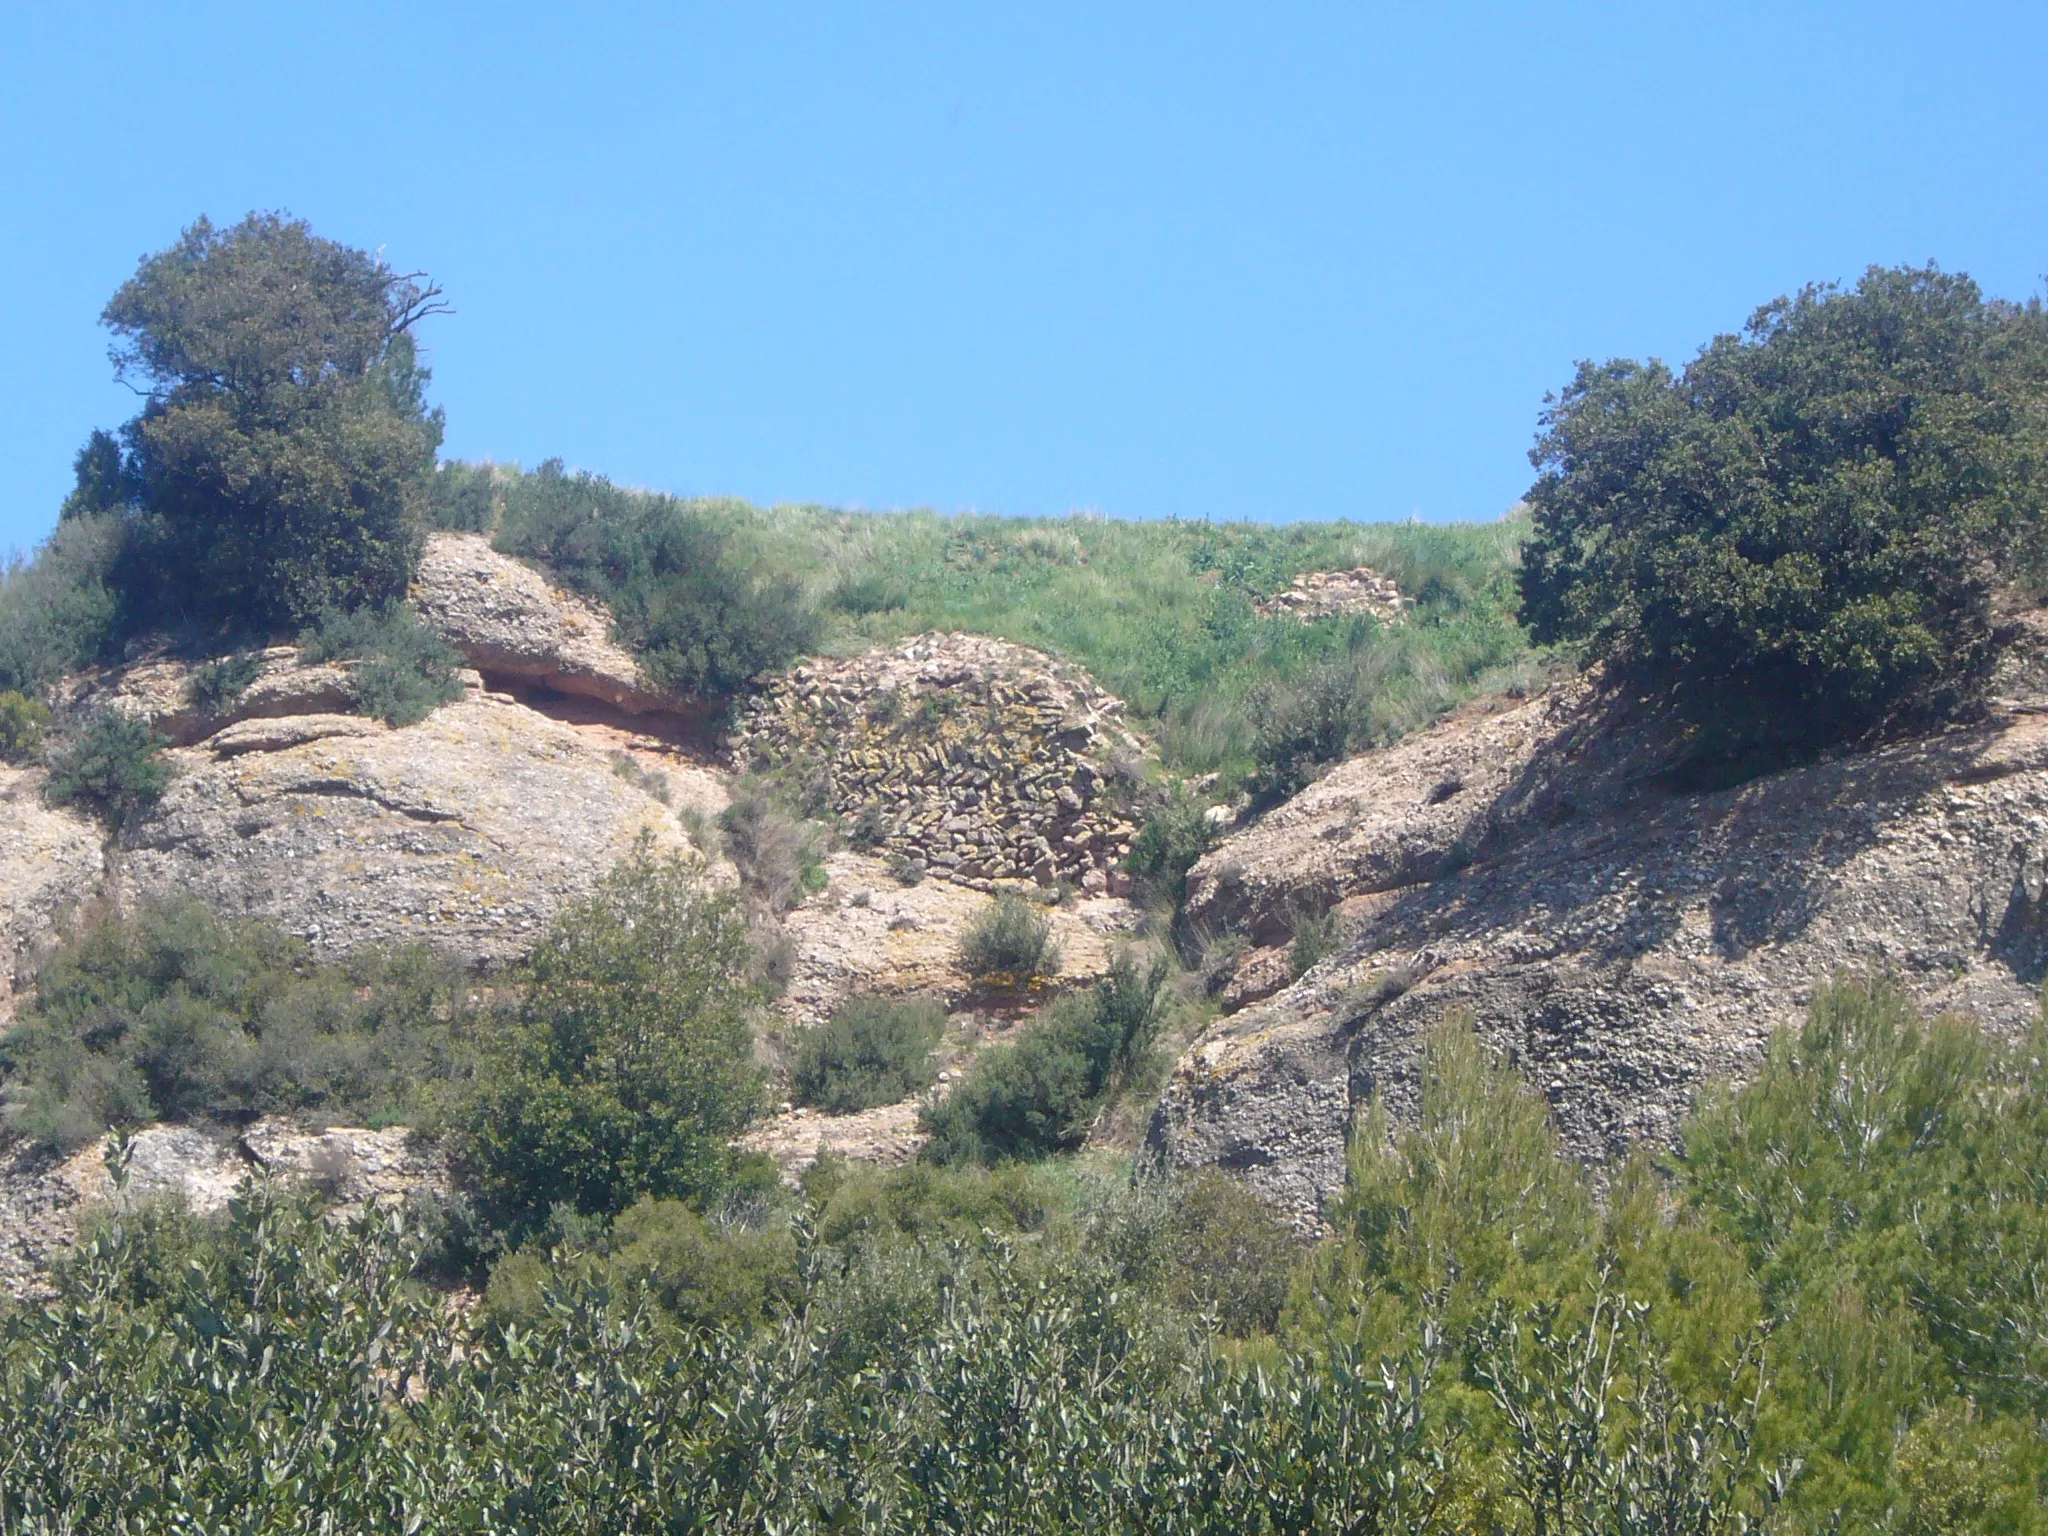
(1257,261)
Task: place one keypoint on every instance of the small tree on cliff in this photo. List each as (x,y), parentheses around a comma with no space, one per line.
(282,460)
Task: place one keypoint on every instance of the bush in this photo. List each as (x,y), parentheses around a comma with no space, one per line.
(686,593)
(629,1065)
(1010,940)
(1042,1094)
(1174,836)
(215,687)
(176,1014)
(59,611)
(1316,938)
(112,763)
(22,724)
(779,854)
(873,1050)
(1799,538)
(405,670)
(465,498)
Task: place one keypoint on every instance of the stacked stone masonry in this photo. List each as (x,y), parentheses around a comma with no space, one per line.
(979,760)
(1338,594)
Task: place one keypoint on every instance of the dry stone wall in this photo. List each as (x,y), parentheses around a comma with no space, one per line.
(1336,595)
(974,760)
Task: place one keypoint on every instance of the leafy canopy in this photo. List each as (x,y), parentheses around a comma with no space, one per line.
(1801,535)
(283,456)
(629,1065)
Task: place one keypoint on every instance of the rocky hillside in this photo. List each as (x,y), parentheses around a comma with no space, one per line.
(1623,941)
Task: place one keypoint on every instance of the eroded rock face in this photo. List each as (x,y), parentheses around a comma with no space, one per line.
(982,760)
(160,691)
(43,1198)
(513,625)
(50,863)
(866,932)
(468,830)
(1622,942)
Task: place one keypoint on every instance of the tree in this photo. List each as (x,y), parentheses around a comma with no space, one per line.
(629,1066)
(284,453)
(1800,536)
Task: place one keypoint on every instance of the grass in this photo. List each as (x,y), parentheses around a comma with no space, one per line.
(1161,613)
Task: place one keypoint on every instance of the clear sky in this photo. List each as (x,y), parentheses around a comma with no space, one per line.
(1262,261)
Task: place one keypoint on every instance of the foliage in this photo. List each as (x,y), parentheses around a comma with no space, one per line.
(112,763)
(1010,940)
(22,724)
(686,589)
(283,1374)
(1800,535)
(1173,837)
(628,1066)
(873,1050)
(1317,935)
(1162,613)
(405,671)
(176,1014)
(59,611)
(780,853)
(281,461)
(1041,1094)
(465,498)
(217,685)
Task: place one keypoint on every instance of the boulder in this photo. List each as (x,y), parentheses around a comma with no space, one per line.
(50,862)
(468,830)
(515,627)
(1624,941)
(159,690)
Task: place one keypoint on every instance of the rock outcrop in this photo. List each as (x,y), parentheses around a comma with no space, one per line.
(867,932)
(43,1198)
(468,830)
(1318,595)
(50,863)
(980,760)
(1623,941)
(515,627)
(160,691)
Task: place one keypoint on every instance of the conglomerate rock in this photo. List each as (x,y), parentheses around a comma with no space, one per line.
(1622,940)
(50,863)
(514,626)
(981,760)
(43,1197)
(468,830)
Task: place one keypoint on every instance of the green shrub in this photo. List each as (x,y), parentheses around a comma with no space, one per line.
(465,498)
(59,611)
(1207,1241)
(113,764)
(22,724)
(215,687)
(873,592)
(405,671)
(1800,537)
(1010,940)
(780,854)
(703,611)
(1041,1094)
(176,1014)
(1316,938)
(629,1065)
(1173,837)
(873,1050)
